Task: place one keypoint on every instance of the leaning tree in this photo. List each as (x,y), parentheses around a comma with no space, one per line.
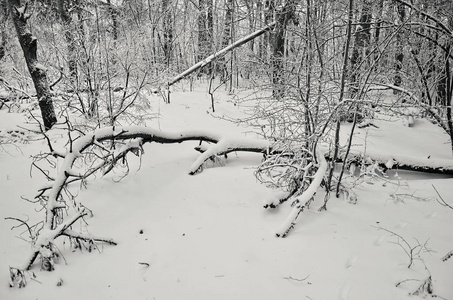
(38,72)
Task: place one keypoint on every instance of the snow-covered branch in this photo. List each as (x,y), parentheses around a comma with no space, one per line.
(222,52)
(225,146)
(132,139)
(303,201)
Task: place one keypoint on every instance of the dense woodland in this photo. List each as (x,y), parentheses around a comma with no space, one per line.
(315,63)
(317,53)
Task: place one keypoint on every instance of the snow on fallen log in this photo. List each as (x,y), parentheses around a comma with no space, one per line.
(407,162)
(133,137)
(277,198)
(225,146)
(222,52)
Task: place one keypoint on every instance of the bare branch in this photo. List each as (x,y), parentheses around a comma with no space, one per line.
(428,16)
(441,201)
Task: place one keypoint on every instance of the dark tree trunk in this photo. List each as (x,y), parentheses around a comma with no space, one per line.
(443,80)
(3,34)
(205,31)
(377,34)
(66,20)
(278,50)
(251,13)
(168,31)
(362,37)
(114,17)
(449,94)
(202,31)
(210,25)
(80,19)
(283,16)
(449,77)
(37,71)
(268,17)
(227,37)
(399,56)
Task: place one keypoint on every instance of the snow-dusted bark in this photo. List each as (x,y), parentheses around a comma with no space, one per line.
(38,72)
(405,162)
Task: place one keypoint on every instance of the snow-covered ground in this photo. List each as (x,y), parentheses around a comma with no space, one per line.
(208,236)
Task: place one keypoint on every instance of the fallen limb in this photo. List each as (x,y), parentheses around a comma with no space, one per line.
(303,201)
(225,146)
(222,52)
(404,162)
(112,144)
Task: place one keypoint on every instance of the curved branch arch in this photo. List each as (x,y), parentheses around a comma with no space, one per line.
(133,138)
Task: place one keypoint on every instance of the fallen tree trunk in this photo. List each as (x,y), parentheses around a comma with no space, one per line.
(402,162)
(59,219)
(133,138)
(222,52)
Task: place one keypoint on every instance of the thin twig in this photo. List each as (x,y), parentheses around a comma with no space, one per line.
(23,223)
(442,201)
(296,279)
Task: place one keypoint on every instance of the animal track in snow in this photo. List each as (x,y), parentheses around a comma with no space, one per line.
(379,240)
(351,261)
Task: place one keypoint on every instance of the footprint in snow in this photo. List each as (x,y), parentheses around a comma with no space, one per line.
(379,240)
(351,262)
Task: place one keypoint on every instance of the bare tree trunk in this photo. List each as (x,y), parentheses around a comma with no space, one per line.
(449,77)
(399,56)
(283,17)
(268,17)
(227,37)
(344,75)
(449,91)
(66,20)
(321,12)
(205,30)
(443,80)
(278,50)
(168,31)
(308,70)
(210,25)
(377,34)
(362,37)
(37,71)
(251,13)
(113,16)
(202,39)
(4,22)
